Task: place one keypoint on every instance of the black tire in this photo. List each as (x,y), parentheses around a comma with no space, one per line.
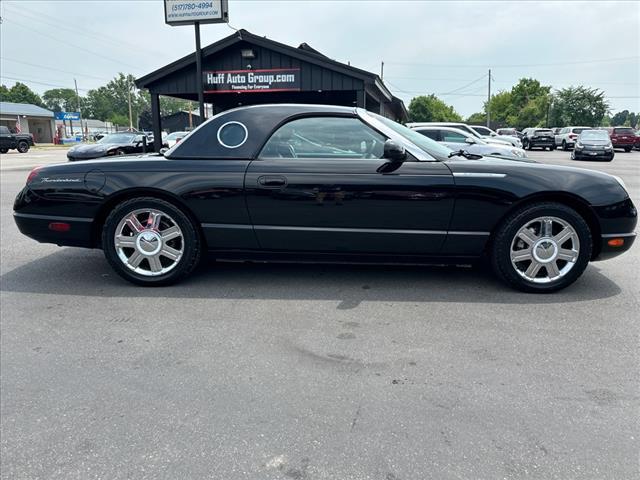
(192,245)
(552,147)
(627,149)
(500,252)
(564,145)
(23,146)
(526,145)
(4,150)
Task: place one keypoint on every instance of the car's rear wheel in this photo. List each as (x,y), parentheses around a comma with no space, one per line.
(542,248)
(23,146)
(149,241)
(564,145)
(4,150)
(627,149)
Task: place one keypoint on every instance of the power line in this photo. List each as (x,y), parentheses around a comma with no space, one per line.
(465,86)
(2,75)
(74,46)
(52,68)
(76,30)
(556,64)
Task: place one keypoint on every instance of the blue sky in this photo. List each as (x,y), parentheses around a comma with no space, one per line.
(428,47)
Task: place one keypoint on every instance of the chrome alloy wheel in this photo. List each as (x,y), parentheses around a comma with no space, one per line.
(545,249)
(149,242)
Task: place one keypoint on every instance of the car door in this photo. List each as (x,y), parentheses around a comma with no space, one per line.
(5,138)
(318,186)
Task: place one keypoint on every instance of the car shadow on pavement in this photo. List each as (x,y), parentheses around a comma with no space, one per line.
(79,272)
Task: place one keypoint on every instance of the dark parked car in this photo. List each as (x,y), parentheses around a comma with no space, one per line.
(593,145)
(17,141)
(538,138)
(325,183)
(111,145)
(622,137)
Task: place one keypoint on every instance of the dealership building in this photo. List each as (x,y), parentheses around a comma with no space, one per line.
(246,69)
(28,118)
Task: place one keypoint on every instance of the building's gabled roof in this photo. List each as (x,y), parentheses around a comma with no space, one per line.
(9,108)
(304,53)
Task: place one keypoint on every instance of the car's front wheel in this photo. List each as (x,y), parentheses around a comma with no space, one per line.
(541,248)
(23,146)
(4,150)
(149,241)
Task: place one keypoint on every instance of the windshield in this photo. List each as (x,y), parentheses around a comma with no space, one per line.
(594,135)
(581,129)
(174,135)
(623,131)
(117,138)
(432,147)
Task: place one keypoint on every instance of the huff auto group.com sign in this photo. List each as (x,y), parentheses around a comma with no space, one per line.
(270,80)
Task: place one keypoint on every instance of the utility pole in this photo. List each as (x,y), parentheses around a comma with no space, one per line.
(381,70)
(489,102)
(199,80)
(83,131)
(130,116)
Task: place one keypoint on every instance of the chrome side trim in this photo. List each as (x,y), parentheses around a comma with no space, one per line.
(227,225)
(614,235)
(351,230)
(342,230)
(52,217)
(479,175)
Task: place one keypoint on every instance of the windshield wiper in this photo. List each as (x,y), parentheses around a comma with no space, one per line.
(465,154)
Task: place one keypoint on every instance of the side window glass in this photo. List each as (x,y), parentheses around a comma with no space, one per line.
(453,137)
(324,137)
(432,134)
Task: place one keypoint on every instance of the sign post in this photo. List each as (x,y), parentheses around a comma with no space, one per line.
(186,12)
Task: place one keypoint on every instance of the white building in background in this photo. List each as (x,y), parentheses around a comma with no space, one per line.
(28,118)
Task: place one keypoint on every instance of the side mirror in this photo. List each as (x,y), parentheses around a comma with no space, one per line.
(163,150)
(394,152)
(494,134)
(469,140)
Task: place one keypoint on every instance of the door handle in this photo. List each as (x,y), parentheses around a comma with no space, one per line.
(272,181)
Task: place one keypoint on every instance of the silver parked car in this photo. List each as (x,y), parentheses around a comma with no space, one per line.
(460,126)
(488,134)
(457,139)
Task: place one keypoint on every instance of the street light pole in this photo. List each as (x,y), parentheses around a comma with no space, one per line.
(130,116)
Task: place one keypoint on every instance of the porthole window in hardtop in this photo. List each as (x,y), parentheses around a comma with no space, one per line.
(232,134)
(325,137)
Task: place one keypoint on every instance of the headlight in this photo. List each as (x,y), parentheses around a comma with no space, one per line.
(608,147)
(517,153)
(579,145)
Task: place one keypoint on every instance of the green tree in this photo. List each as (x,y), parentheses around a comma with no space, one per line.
(626,118)
(120,120)
(579,106)
(530,101)
(20,93)
(113,99)
(500,108)
(477,118)
(61,100)
(431,109)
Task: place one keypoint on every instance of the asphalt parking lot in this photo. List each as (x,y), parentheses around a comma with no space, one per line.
(252,371)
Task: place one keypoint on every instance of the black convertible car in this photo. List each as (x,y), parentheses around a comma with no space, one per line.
(326,183)
(113,144)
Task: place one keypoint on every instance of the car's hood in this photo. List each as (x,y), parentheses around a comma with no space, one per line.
(93,148)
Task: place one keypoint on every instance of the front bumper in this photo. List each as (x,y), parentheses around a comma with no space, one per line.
(593,154)
(608,251)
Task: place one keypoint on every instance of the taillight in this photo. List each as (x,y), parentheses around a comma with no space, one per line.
(573,136)
(33,174)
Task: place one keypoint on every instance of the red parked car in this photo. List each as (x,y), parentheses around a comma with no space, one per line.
(622,137)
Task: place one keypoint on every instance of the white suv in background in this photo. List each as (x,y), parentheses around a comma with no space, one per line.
(488,134)
(566,137)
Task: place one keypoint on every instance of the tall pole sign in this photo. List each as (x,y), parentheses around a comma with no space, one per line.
(187,12)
